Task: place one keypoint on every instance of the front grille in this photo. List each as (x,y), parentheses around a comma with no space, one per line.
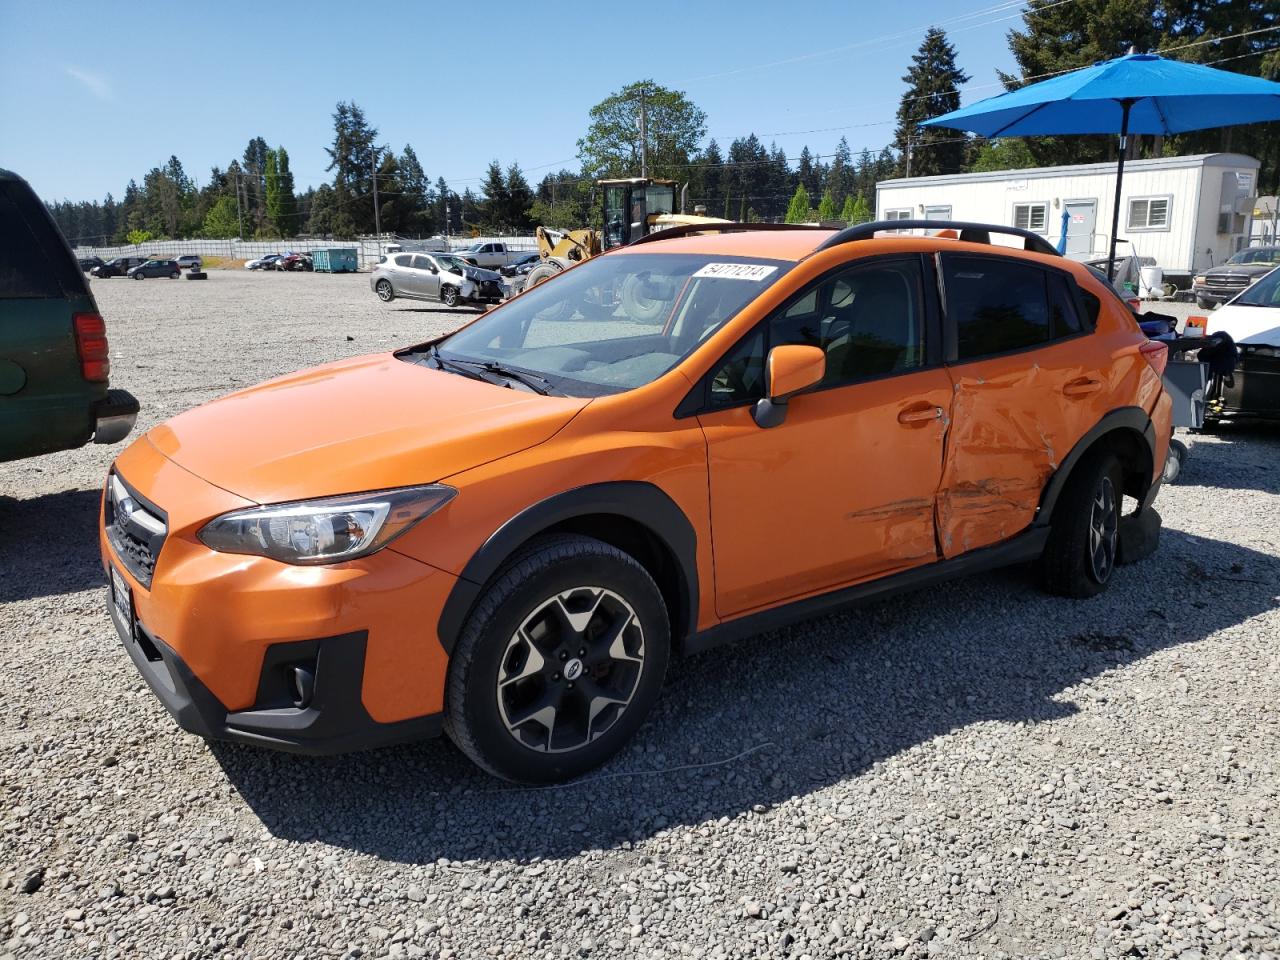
(1226,280)
(135,528)
(490,288)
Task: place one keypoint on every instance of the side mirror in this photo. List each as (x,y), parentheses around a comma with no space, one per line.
(789,369)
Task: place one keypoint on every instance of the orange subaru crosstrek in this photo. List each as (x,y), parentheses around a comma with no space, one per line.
(506,533)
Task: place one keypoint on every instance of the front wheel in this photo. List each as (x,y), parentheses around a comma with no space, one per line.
(384,291)
(137,276)
(560,661)
(1080,555)
(1204,304)
(449,296)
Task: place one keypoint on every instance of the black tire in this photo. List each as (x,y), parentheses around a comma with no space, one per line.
(1080,557)
(449,296)
(176,275)
(197,275)
(137,276)
(483,712)
(1204,304)
(386,293)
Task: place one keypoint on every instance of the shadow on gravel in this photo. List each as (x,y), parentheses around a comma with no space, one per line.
(810,706)
(1243,458)
(49,545)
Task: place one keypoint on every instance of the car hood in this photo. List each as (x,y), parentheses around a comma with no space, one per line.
(365,424)
(1260,325)
(479,273)
(1240,270)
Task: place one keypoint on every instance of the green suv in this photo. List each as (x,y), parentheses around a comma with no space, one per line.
(54,366)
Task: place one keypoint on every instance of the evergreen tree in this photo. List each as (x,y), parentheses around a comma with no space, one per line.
(857,210)
(933,88)
(286,216)
(271,180)
(1010,153)
(497,202)
(351,158)
(519,199)
(806,172)
(707,186)
(827,205)
(562,201)
(840,176)
(323,219)
(798,209)
(417,192)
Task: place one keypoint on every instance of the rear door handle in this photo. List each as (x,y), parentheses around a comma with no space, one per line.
(1082,387)
(920,413)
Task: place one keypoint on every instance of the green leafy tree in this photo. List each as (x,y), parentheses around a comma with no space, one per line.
(798,209)
(674,126)
(827,205)
(933,88)
(562,202)
(1008,153)
(221,222)
(138,237)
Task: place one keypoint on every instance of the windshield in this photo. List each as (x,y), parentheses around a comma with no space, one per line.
(615,322)
(1257,255)
(1264,293)
(451,263)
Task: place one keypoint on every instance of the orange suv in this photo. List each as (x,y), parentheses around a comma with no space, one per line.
(506,533)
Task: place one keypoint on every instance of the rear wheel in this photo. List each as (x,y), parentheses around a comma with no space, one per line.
(559,663)
(137,276)
(384,291)
(175,275)
(1173,462)
(1080,556)
(1203,304)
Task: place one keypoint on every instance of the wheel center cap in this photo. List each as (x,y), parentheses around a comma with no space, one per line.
(573,669)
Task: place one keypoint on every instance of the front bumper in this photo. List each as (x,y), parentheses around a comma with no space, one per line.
(218,636)
(1216,294)
(114,416)
(333,720)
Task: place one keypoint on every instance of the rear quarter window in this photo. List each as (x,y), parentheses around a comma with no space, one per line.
(34,260)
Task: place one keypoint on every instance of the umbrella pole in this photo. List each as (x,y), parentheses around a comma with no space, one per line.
(1115,214)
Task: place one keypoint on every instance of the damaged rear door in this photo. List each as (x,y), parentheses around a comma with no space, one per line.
(1027,383)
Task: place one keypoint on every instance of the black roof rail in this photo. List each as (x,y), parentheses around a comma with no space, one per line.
(728,226)
(971,232)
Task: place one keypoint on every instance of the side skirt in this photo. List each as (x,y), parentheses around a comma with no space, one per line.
(1022,548)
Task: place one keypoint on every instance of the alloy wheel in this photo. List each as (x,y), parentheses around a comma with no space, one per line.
(384,291)
(570,670)
(1104,525)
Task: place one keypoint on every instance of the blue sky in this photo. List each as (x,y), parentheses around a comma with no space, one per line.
(97,93)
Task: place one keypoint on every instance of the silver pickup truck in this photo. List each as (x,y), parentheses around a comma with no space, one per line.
(491,255)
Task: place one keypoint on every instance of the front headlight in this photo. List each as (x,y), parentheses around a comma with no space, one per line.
(329,530)
(1199,280)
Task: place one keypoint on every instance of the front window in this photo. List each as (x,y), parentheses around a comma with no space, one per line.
(616,322)
(1264,293)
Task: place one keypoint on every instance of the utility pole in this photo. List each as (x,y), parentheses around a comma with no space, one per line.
(644,135)
(908,157)
(377,217)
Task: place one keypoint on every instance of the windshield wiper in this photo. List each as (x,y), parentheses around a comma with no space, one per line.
(477,369)
(470,371)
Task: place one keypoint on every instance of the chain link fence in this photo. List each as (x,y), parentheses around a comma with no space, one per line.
(369,248)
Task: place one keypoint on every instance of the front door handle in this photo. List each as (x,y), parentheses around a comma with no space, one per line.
(1082,387)
(920,413)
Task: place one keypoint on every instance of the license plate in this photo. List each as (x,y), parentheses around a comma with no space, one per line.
(122,598)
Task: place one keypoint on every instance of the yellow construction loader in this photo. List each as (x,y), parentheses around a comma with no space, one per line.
(633,208)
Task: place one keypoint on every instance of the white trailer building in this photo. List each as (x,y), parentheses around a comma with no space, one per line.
(1188,213)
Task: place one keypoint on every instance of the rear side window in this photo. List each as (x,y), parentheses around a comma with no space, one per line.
(1000,306)
(403,260)
(34,260)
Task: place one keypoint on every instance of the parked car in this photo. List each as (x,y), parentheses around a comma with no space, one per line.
(521,265)
(54,358)
(435,276)
(118,267)
(189,261)
(263,263)
(1252,320)
(294,261)
(155,268)
(88,263)
(1220,284)
(490,256)
(506,531)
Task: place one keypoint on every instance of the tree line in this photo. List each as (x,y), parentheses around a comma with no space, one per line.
(254,195)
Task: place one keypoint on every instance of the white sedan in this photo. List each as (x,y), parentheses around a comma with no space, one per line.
(1252,320)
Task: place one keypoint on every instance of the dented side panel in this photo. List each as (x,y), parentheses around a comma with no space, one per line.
(842,490)
(1015,419)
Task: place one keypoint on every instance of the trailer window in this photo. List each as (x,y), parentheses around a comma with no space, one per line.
(1149,213)
(1031,216)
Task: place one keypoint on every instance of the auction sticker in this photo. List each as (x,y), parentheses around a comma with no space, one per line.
(736,271)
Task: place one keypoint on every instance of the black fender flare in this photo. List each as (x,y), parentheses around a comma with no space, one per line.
(636,501)
(1122,418)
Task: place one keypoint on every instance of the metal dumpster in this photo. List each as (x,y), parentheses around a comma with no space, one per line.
(335,260)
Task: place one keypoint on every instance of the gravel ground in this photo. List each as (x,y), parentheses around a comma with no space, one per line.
(976,771)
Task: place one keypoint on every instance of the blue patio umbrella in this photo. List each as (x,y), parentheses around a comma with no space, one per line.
(1139,93)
